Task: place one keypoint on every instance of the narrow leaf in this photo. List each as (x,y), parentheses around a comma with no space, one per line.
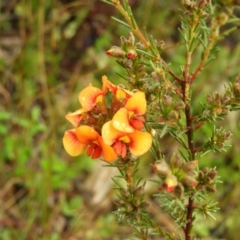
(121,22)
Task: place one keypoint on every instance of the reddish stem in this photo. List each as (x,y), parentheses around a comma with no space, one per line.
(189,119)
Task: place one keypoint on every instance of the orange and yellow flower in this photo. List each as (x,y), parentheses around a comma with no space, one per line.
(75,117)
(90,96)
(137,142)
(129,118)
(118,92)
(76,141)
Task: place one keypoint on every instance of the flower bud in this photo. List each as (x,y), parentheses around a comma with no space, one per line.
(167,100)
(136,202)
(139,191)
(208,180)
(140,45)
(161,44)
(131,54)
(201,175)
(189,4)
(144,205)
(129,208)
(123,40)
(209,98)
(116,52)
(179,106)
(212,173)
(236,89)
(179,190)
(124,193)
(189,181)
(170,183)
(203,3)
(161,168)
(119,202)
(211,188)
(190,166)
(131,39)
(176,161)
(173,115)
(160,72)
(221,18)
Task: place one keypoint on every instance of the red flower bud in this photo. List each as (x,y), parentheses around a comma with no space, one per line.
(131,54)
(170,183)
(116,52)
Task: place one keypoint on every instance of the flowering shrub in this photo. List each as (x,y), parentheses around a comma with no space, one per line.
(160,103)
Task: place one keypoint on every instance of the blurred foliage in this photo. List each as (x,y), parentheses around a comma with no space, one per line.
(50,50)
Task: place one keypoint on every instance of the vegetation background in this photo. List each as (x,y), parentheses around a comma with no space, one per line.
(49,51)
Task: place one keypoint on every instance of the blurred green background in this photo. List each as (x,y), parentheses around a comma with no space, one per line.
(49,51)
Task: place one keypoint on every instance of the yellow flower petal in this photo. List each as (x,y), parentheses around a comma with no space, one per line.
(119,93)
(121,121)
(71,143)
(75,117)
(137,103)
(110,134)
(140,142)
(86,134)
(89,97)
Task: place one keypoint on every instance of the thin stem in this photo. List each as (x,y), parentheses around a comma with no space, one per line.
(144,235)
(187,67)
(203,61)
(189,130)
(190,206)
(143,39)
(129,21)
(129,176)
(189,133)
(189,224)
(189,126)
(192,36)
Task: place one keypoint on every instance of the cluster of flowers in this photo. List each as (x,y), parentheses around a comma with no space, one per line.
(108,131)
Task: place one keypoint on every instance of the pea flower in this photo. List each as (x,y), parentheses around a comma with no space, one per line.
(137,142)
(129,118)
(89,97)
(118,92)
(76,141)
(75,117)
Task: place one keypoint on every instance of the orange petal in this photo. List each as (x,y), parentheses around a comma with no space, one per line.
(107,85)
(140,142)
(71,143)
(75,117)
(137,103)
(86,134)
(108,152)
(121,121)
(110,134)
(89,97)
(120,93)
